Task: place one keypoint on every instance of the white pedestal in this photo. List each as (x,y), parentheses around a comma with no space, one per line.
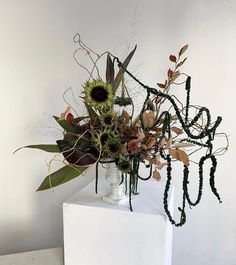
(98,233)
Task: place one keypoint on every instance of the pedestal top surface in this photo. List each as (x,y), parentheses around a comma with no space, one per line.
(148,201)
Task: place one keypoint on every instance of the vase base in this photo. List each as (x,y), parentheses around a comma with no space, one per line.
(118,201)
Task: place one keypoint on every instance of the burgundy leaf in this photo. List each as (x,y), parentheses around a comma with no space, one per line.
(120,74)
(110,70)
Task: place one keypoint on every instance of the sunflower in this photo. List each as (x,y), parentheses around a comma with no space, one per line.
(101,138)
(108,119)
(99,94)
(124,164)
(113,147)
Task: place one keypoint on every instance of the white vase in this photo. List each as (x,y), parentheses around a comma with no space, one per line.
(117,193)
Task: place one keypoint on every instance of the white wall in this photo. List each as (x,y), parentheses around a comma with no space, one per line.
(36,66)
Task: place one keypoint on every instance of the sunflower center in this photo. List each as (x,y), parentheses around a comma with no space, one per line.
(104,138)
(108,120)
(99,94)
(114,148)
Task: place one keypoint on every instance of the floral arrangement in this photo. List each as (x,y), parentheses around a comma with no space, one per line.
(157,136)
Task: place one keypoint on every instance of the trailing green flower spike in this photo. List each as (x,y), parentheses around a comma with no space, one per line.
(207,132)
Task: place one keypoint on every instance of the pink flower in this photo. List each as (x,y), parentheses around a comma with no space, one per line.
(133,145)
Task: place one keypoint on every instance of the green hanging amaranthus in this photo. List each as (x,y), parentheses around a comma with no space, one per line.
(208,133)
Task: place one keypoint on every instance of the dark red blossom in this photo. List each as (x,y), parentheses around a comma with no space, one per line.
(69,117)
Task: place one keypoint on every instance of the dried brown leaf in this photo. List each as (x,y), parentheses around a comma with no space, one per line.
(143,146)
(180,155)
(173,153)
(176,130)
(151,161)
(181,63)
(175,75)
(183,157)
(161,165)
(178,145)
(172,58)
(148,118)
(125,116)
(140,135)
(183,49)
(161,85)
(156,175)
(169,143)
(170,73)
(174,117)
(157,131)
(158,159)
(151,141)
(162,143)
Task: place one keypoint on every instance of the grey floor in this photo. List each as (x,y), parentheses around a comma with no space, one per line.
(52,256)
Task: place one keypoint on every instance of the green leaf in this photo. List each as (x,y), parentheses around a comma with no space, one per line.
(92,114)
(52,148)
(65,125)
(79,119)
(110,70)
(120,74)
(61,176)
(70,138)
